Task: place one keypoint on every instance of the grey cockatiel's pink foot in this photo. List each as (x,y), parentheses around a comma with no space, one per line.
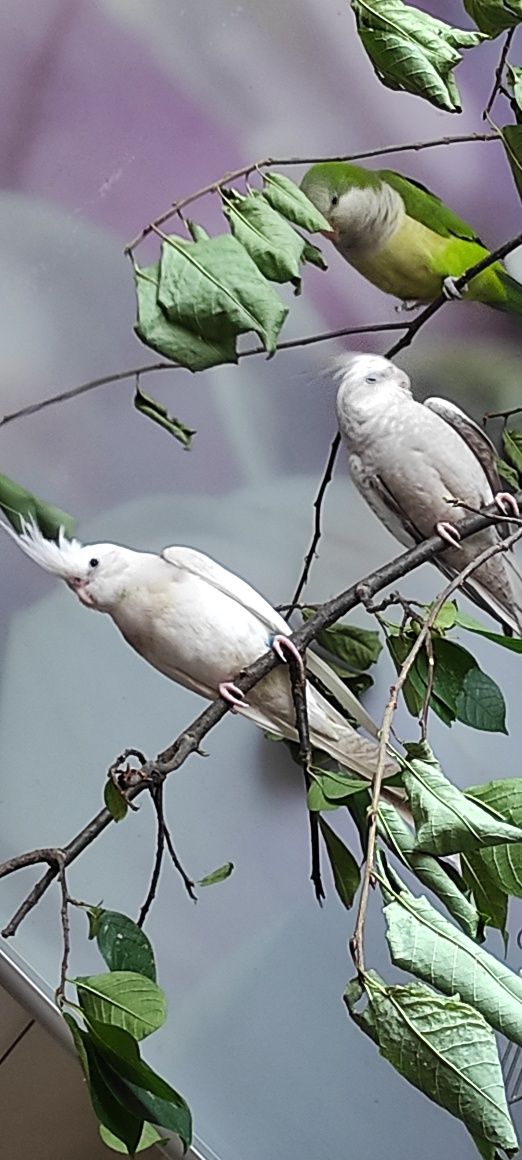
(507,504)
(282,644)
(232,695)
(448,532)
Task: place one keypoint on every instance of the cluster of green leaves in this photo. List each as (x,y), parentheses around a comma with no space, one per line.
(118,1009)
(494,16)
(351,652)
(202,294)
(460,690)
(18,504)
(510,468)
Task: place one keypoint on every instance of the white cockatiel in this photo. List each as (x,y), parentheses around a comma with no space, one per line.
(408,459)
(200,625)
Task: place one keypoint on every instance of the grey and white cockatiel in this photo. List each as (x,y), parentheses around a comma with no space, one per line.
(408,459)
(200,625)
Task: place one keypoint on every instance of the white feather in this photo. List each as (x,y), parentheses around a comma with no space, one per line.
(59,557)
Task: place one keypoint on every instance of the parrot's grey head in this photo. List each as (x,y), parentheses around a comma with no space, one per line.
(363,210)
(362,376)
(96,572)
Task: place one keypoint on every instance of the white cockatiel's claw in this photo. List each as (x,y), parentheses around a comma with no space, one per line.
(451,291)
(282,644)
(406,458)
(210,624)
(232,695)
(448,532)
(507,504)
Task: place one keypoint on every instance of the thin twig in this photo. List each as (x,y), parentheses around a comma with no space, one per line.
(188,883)
(155,791)
(501,414)
(423,719)
(357,940)
(189,741)
(66,932)
(298,685)
(317,533)
(499,73)
(246,170)
(149,368)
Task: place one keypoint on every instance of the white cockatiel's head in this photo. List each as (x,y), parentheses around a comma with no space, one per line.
(97,573)
(363,378)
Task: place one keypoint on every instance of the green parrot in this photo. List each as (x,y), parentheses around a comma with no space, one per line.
(403,238)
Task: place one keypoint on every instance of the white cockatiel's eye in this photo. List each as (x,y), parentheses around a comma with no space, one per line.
(371,378)
(93,562)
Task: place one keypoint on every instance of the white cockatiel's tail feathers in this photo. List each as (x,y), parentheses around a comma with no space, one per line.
(413,462)
(59,557)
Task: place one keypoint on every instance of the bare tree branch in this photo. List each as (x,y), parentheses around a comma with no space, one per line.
(499,73)
(189,741)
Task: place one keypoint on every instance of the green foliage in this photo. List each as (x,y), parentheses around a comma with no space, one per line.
(345,870)
(412,51)
(272,243)
(356,647)
(491,901)
(503,863)
(447,821)
(148,1138)
(159,414)
(513,643)
(442,1046)
(512,440)
(123,998)
(115,802)
(290,201)
(178,343)
(123,944)
(15,501)
(218,875)
(512,142)
(329,789)
(494,16)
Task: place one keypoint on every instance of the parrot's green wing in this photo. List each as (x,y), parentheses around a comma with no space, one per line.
(425,207)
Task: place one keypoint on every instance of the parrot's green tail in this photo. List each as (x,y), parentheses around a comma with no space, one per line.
(512,302)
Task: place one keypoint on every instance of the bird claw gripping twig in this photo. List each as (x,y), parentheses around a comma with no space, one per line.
(448,532)
(282,644)
(507,504)
(232,695)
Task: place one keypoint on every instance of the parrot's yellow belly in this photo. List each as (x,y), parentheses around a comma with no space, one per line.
(410,265)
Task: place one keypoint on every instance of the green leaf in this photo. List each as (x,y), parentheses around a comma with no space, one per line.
(480,703)
(515,78)
(15,501)
(314,256)
(179,343)
(174,1115)
(413,51)
(78,1036)
(218,875)
(431,872)
(423,942)
(148,1138)
(115,802)
(415,687)
(446,616)
(503,863)
(123,999)
(121,1052)
(197,232)
(444,1048)
(357,682)
(123,945)
(345,870)
(512,142)
(316,800)
(472,625)
(120,1120)
(357,647)
(290,201)
(492,902)
(159,414)
(274,246)
(214,288)
(446,820)
(337,787)
(512,444)
(508,473)
(494,16)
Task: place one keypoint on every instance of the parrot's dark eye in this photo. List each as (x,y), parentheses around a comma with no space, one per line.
(371,378)
(334,200)
(93,563)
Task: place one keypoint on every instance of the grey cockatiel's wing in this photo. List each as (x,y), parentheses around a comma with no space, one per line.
(478,442)
(231,585)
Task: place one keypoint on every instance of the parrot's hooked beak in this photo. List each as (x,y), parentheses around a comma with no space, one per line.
(77,585)
(329,234)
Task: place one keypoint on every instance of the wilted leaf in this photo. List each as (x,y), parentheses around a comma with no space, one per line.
(345,870)
(492,902)
(494,16)
(430,871)
(114,800)
(423,942)
(275,247)
(218,875)
(198,233)
(176,342)
(313,255)
(214,288)
(124,999)
(443,1047)
(446,820)
(503,863)
(290,201)
(159,414)
(15,501)
(124,945)
(413,51)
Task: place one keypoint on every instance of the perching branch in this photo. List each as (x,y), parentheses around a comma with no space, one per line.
(357,940)
(499,73)
(189,741)
(247,170)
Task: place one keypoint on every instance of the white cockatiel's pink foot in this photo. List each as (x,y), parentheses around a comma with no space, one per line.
(232,695)
(507,504)
(282,644)
(448,532)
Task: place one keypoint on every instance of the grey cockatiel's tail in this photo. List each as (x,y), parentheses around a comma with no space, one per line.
(408,458)
(200,625)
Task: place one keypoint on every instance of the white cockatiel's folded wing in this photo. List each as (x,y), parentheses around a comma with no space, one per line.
(478,442)
(231,585)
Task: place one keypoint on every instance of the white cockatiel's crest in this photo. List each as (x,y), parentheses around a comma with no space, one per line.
(62,557)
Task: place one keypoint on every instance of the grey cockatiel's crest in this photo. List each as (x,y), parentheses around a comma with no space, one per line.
(408,459)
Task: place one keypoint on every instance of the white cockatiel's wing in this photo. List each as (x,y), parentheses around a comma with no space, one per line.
(474,436)
(231,585)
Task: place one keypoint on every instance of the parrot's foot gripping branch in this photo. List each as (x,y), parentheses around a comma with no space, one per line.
(448,532)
